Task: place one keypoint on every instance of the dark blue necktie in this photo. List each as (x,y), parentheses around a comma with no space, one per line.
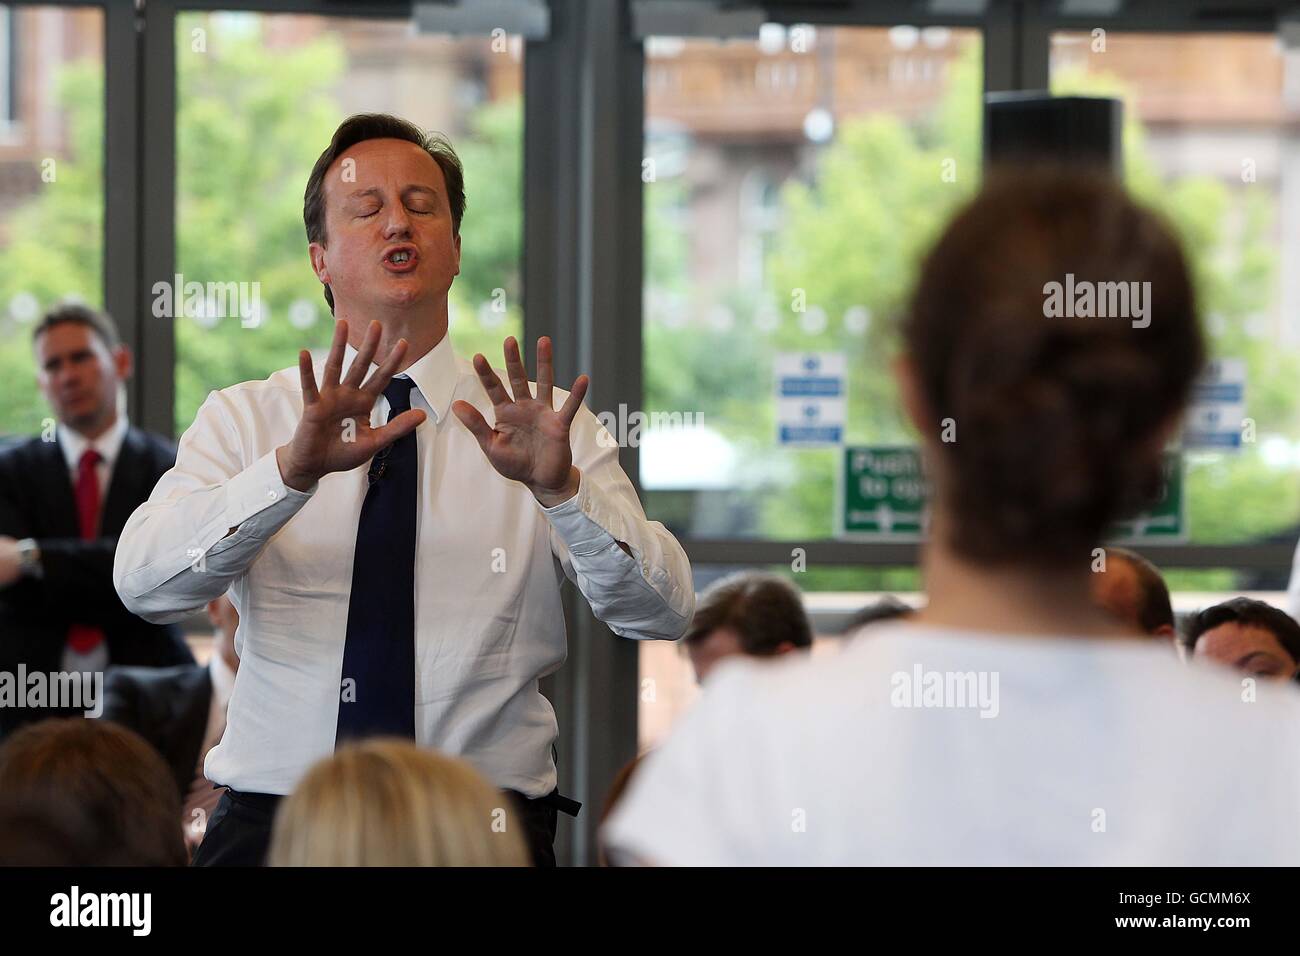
(377,696)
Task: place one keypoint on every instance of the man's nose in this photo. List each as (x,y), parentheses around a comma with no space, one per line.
(397,225)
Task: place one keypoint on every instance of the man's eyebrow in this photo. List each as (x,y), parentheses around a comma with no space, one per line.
(377,192)
(1252,655)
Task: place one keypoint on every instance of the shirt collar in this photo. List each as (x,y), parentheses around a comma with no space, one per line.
(74,444)
(434,374)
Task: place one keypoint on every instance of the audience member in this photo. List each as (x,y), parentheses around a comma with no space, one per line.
(1010,721)
(1131,588)
(1250,635)
(108,774)
(46,831)
(182,712)
(387,802)
(64,497)
(749,613)
(888,608)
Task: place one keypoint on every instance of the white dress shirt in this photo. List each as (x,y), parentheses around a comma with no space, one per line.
(202,795)
(488,617)
(74,445)
(1083,752)
(108,445)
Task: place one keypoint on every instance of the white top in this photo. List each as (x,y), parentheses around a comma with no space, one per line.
(488,617)
(1093,753)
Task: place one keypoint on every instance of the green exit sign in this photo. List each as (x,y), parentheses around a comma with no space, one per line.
(884,496)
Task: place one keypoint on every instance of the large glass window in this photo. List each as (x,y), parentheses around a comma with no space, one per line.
(259,96)
(790,182)
(51,185)
(1210,138)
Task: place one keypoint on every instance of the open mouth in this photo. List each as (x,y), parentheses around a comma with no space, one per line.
(401,258)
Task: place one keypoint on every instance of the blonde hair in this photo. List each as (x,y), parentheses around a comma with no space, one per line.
(390,803)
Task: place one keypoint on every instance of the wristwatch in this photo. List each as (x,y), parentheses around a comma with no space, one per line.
(29,557)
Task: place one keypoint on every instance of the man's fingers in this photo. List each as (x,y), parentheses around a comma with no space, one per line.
(334,361)
(473,419)
(397,427)
(574,401)
(307,375)
(491,384)
(545,371)
(361,361)
(376,383)
(516,370)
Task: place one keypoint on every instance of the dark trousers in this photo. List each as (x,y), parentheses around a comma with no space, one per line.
(239,833)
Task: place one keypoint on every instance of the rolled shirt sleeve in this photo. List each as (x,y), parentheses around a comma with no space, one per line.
(646,595)
(177,551)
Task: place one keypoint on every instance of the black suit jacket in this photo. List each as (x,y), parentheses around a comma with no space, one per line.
(166,706)
(37,501)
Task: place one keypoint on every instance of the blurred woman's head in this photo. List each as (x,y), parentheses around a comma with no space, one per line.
(390,803)
(1051,344)
(101,781)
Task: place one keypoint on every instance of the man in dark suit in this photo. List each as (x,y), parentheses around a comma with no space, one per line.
(182,711)
(64,497)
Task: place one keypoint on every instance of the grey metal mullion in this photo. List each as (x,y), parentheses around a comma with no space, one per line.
(582,286)
(121,228)
(157,217)
(847,553)
(550,304)
(370,9)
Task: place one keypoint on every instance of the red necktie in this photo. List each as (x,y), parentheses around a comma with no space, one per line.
(83,638)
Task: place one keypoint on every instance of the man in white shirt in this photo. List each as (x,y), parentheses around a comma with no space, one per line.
(433,574)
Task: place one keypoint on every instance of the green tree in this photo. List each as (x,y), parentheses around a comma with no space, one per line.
(250,123)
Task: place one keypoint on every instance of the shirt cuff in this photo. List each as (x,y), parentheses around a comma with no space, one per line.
(586,522)
(257,497)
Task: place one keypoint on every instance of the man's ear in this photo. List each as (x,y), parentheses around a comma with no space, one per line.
(123,363)
(317,253)
(457,245)
(915,406)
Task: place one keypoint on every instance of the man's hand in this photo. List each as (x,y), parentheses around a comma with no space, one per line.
(319,445)
(530,443)
(11,565)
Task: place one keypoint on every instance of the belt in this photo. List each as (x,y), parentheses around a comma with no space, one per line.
(267,802)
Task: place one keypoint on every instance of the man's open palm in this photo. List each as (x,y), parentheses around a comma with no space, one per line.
(334,433)
(530,442)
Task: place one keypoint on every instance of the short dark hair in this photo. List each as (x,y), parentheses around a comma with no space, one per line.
(365,126)
(1155,609)
(764,610)
(111,775)
(1063,416)
(1247,611)
(888,608)
(98,321)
